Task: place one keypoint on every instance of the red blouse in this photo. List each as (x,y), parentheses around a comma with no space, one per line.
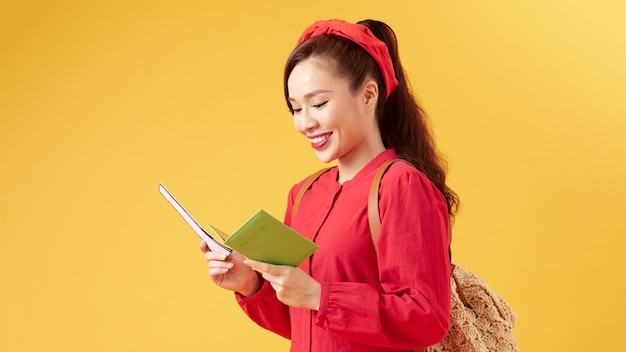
(398,299)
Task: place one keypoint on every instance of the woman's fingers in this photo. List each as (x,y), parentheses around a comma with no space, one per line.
(220,266)
(265,267)
(214,256)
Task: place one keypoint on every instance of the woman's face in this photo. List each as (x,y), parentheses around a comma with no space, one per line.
(339,124)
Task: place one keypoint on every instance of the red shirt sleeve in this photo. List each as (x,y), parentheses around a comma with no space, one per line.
(266,310)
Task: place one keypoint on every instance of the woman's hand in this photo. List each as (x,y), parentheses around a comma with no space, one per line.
(230,272)
(293,286)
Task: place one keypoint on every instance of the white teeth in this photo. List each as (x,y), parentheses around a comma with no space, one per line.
(319,139)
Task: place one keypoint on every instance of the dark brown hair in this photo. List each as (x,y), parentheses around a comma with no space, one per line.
(402,122)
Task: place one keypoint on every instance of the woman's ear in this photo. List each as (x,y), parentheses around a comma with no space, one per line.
(370,94)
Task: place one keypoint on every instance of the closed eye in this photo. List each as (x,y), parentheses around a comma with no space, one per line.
(317,106)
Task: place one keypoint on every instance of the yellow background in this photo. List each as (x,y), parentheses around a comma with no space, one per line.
(102,100)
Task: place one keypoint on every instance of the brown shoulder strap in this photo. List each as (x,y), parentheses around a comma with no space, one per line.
(373,215)
(305,186)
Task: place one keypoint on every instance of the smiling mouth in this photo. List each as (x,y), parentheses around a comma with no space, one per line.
(317,142)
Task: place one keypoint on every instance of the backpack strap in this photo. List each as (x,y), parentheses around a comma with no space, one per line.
(305,187)
(373,215)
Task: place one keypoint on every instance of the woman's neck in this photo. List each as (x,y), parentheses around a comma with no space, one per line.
(348,166)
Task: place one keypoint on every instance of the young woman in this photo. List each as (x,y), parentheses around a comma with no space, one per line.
(349,97)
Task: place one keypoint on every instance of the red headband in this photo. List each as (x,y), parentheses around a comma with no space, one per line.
(362,36)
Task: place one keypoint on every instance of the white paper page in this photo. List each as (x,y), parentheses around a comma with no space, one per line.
(214,245)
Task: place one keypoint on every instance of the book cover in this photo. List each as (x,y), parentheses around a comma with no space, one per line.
(267,239)
(262,237)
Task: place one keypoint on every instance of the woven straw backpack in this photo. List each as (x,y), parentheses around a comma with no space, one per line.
(480,320)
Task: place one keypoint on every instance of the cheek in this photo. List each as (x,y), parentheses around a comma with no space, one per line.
(338,118)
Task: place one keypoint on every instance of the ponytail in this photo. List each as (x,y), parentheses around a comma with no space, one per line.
(403,124)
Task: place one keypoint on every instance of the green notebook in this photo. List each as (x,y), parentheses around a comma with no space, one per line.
(262,237)
(267,239)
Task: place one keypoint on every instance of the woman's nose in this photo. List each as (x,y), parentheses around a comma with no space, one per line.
(307,122)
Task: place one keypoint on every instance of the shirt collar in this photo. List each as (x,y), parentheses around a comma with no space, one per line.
(369,168)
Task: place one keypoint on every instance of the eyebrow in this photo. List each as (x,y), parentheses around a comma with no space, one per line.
(311,94)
